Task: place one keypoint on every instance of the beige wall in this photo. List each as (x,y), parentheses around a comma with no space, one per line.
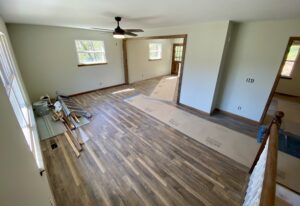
(291,86)
(212,77)
(256,51)
(48,60)
(139,66)
(21,183)
(216,70)
(204,52)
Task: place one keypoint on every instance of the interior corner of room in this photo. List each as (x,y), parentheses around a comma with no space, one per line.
(172,112)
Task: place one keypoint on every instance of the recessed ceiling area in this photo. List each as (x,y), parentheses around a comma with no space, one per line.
(145,14)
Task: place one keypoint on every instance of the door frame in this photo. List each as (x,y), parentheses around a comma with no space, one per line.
(278,76)
(184,36)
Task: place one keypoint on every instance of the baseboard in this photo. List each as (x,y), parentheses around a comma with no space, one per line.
(288,95)
(94,90)
(236,117)
(197,111)
(287,188)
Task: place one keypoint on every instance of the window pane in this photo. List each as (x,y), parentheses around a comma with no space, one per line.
(293,52)
(17,110)
(178,53)
(85,45)
(290,60)
(85,58)
(155,50)
(98,46)
(287,68)
(21,100)
(6,72)
(90,52)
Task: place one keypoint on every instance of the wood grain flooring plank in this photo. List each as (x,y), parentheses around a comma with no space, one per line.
(130,158)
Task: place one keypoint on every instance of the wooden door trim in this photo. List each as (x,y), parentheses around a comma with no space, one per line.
(173,48)
(278,76)
(125,55)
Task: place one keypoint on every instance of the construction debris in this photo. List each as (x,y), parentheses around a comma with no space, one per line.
(70,115)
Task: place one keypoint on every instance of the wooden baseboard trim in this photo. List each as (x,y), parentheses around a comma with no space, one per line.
(288,95)
(236,117)
(197,111)
(94,90)
(286,187)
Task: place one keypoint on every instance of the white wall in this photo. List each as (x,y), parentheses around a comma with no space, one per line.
(204,51)
(291,86)
(139,66)
(178,41)
(21,183)
(256,52)
(222,69)
(48,60)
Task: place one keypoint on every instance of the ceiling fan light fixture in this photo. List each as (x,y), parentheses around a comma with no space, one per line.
(118,36)
(119,33)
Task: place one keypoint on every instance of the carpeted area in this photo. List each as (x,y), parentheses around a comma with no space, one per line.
(233,144)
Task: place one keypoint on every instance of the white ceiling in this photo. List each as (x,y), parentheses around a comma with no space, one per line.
(143,13)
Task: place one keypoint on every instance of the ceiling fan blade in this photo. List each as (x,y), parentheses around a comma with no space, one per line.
(130,33)
(134,30)
(103,30)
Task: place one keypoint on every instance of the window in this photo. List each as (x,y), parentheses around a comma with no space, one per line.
(155,50)
(90,52)
(178,53)
(17,98)
(5,64)
(290,60)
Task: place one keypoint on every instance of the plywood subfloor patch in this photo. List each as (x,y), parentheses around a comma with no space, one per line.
(235,145)
(166,88)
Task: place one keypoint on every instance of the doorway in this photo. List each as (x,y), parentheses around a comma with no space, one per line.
(176,59)
(160,57)
(285,95)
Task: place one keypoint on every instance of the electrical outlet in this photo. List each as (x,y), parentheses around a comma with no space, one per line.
(250,80)
(239,108)
(100,84)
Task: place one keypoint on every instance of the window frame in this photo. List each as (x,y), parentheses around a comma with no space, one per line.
(158,50)
(18,100)
(81,64)
(293,42)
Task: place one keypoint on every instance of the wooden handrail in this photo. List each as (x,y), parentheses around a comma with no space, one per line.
(269,183)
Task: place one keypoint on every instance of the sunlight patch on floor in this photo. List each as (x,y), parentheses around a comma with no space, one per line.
(166,89)
(124,90)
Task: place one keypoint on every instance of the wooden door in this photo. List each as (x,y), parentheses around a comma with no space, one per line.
(176,58)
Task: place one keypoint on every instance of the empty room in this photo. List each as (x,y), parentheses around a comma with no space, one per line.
(134,103)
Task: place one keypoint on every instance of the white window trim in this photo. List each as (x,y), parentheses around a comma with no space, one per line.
(103,51)
(159,51)
(34,143)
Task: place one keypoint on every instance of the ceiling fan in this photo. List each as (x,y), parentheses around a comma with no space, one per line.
(120,33)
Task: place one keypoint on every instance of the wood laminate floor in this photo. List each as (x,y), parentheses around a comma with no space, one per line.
(133,159)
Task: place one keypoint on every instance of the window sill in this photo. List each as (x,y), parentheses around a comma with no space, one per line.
(154,59)
(94,64)
(284,77)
